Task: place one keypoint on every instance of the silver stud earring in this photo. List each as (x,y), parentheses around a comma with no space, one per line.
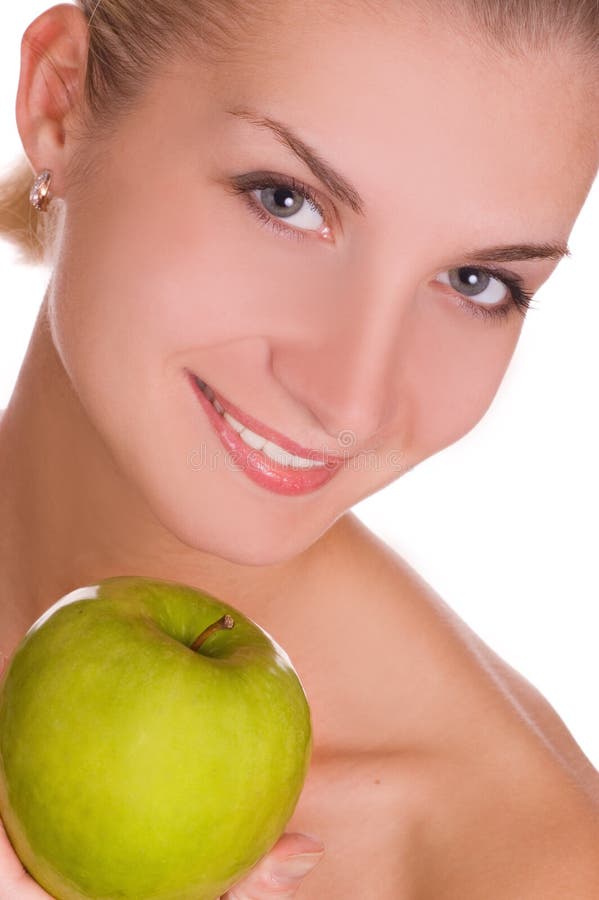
(40,196)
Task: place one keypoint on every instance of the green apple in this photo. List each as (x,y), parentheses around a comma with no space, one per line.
(154,743)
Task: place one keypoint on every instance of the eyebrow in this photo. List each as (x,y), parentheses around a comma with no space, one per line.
(344,190)
(515,252)
(339,186)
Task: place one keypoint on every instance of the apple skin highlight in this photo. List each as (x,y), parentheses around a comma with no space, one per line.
(133,766)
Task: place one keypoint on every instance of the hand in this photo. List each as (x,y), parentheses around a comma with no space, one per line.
(14,880)
(271,877)
(281,872)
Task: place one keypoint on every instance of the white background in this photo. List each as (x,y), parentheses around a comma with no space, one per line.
(503,524)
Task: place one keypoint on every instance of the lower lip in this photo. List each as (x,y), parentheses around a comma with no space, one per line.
(260,468)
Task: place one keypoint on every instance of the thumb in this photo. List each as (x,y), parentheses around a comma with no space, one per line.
(280,873)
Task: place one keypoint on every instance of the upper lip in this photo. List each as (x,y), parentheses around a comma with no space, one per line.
(271,434)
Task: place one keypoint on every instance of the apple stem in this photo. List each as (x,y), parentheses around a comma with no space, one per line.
(225,622)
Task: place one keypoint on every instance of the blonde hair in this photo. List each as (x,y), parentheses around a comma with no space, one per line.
(129,39)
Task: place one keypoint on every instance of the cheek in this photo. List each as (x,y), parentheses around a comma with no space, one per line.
(454,366)
(135,284)
(161,277)
(141,293)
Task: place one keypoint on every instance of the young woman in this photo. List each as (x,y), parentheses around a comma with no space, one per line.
(328,217)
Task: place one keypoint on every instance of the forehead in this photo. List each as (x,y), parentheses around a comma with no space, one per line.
(420,116)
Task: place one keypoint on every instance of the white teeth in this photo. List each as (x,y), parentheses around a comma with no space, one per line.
(252,439)
(282,456)
(299,463)
(257,442)
(279,455)
(234,423)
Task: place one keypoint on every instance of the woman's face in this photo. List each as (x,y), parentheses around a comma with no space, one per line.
(377,335)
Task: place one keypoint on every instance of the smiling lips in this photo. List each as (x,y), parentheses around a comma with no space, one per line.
(279,468)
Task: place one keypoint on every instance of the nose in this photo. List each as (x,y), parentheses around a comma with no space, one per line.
(345,367)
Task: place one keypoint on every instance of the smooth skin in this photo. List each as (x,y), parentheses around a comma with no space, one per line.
(437,771)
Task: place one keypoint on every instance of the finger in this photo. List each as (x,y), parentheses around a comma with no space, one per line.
(15,883)
(281,872)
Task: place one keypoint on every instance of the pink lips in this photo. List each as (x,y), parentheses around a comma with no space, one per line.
(258,466)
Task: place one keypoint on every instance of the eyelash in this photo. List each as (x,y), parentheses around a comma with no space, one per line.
(521,299)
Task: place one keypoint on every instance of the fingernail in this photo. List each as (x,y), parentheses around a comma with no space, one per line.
(309,843)
(298,866)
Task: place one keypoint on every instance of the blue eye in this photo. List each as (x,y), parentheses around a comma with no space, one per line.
(487,294)
(270,198)
(301,211)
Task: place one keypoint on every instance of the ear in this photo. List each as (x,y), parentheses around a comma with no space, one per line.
(53,62)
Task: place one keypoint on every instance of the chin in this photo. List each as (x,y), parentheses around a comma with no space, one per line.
(234,540)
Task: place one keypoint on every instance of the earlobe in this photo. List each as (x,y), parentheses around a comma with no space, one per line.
(52,77)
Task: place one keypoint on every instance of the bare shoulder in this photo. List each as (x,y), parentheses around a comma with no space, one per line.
(478,672)
(505,794)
